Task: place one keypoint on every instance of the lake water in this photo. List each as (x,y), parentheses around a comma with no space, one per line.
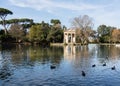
(31,65)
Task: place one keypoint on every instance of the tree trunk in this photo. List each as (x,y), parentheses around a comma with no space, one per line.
(5,31)
(4,25)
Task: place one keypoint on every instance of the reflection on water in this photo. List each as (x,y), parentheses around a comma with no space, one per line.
(30,65)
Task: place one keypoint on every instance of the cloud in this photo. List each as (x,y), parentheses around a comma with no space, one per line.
(53,5)
(102,11)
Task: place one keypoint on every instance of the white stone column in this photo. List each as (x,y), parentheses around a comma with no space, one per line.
(75,37)
(71,38)
(65,37)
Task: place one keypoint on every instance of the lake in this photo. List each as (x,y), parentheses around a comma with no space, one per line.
(31,65)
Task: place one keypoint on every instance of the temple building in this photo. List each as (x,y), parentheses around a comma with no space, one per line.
(70,36)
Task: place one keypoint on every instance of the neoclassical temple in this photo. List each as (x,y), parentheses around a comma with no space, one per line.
(70,36)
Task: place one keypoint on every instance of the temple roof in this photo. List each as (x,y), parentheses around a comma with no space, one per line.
(70,30)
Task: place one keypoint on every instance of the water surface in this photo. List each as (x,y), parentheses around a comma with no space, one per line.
(30,65)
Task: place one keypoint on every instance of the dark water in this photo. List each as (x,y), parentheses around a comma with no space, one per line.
(31,66)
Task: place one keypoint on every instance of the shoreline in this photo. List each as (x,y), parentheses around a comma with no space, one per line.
(62,44)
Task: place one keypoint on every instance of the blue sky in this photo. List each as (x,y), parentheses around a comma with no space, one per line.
(101,11)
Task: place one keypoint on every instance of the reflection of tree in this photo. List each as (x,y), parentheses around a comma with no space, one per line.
(17,53)
(5,72)
(51,54)
(29,55)
(102,51)
(108,52)
(5,67)
(114,52)
(83,54)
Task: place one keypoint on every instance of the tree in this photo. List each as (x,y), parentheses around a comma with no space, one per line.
(115,36)
(16,32)
(3,14)
(102,30)
(45,33)
(2,34)
(55,21)
(8,23)
(32,33)
(38,33)
(56,31)
(24,22)
(83,25)
(105,33)
(55,35)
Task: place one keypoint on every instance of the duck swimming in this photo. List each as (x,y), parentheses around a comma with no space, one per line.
(83,73)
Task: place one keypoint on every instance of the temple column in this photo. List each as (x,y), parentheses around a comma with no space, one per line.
(71,38)
(75,38)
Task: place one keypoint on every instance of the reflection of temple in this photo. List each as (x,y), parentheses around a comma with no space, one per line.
(70,36)
(69,52)
(72,53)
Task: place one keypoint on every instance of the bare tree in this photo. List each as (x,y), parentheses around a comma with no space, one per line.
(16,32)
(83,25)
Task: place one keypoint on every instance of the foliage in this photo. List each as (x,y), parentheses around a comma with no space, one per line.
(5,37)
(55,35)
(24,22)
(115,36)
(38,33)
(2,34)
(43,32)
(104,30)
(56,32)
(105,33)
(3,13)
(55,21)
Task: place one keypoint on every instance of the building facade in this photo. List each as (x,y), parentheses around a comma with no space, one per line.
(70,36)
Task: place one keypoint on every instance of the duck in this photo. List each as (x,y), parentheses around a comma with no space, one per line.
(52,67)
(83,73)
(104,64)
(113,68)
(93,65)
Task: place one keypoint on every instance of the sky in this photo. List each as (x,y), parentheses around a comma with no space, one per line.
(101,11)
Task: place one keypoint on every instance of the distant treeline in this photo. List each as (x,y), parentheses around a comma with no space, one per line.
(26,30)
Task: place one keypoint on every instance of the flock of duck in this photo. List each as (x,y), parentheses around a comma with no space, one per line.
(83,72)
(112,68)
